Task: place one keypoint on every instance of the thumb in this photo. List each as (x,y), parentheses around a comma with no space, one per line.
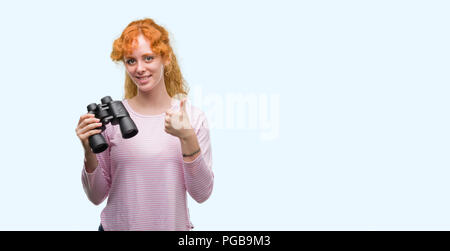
(169,112)
(183,105)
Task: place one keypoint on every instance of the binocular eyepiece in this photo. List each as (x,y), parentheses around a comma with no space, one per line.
(114,112)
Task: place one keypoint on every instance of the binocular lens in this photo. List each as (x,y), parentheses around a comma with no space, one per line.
(127,127)
(98,143)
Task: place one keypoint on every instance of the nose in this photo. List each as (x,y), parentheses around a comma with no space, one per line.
(140,68)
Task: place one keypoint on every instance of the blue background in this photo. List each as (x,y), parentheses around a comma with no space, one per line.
(363,109)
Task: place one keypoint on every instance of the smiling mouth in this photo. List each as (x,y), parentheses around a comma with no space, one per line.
(144,77)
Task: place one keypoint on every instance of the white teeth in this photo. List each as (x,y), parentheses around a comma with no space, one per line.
(143,78)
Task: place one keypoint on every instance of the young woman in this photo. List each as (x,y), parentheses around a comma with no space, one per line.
(145,178)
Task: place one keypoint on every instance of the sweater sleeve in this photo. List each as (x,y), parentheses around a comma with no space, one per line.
(198,174)
(96,184)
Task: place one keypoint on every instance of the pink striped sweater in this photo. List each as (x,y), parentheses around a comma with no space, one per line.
(145,178)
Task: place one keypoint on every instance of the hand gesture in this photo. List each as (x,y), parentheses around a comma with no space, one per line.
(177,123)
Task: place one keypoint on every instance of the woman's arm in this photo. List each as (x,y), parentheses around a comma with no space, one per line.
(190,147)
(95,176)
(198,174)
(195,143)
(90,161)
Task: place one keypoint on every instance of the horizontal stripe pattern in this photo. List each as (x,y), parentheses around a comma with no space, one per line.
(146,179)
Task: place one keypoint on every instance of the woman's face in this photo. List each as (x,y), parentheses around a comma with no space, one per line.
(143,66)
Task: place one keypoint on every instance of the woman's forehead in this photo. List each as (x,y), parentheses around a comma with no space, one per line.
(139,46)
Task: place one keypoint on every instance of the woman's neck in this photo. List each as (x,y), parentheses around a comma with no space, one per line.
(156,101)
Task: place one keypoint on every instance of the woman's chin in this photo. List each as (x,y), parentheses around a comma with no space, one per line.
(146,87)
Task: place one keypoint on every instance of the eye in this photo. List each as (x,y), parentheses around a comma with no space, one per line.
(130,61)
(148,58)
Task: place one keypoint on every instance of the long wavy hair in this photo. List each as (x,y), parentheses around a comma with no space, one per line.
(160,45)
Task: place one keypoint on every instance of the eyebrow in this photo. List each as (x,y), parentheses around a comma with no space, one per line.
(143,55)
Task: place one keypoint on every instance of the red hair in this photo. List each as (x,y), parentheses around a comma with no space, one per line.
(160,45)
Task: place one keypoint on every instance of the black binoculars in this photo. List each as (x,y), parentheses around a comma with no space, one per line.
(114,112)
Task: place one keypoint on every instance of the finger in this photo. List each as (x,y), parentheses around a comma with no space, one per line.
(85,128)
(183,105)
(85,116)
(80,133)
(90,127)
(89,133)
(86,136)
(169,113)
(88,121)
